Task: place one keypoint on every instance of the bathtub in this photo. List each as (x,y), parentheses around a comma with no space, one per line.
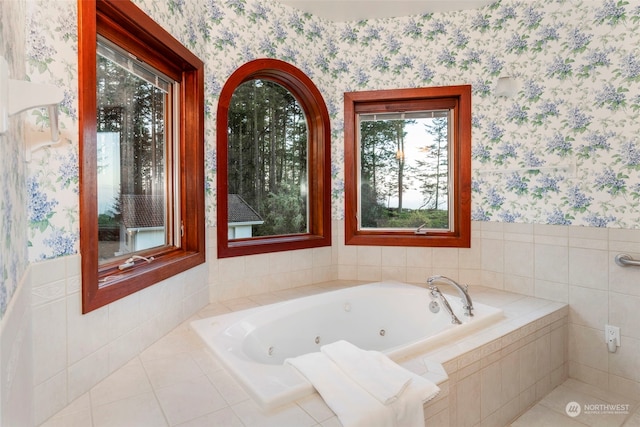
(391,317)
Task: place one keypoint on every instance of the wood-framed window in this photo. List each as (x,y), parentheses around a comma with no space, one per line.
(408,167)
(273,176)
(141,110)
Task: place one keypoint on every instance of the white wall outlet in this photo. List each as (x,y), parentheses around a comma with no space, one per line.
(612,337)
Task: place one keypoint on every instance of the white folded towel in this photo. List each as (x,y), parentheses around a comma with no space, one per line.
(353,406)
(372,370)
(366,388)
(409,407)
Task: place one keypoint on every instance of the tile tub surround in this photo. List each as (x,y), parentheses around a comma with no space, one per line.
(490,376)
(254,343)
(497,374)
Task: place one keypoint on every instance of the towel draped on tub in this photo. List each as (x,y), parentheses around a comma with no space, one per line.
(366,388)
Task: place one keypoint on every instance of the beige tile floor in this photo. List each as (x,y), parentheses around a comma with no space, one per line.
(597,408)
(176,382)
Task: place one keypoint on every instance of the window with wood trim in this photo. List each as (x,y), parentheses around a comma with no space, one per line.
(408,167)
(141,98)
(273,176)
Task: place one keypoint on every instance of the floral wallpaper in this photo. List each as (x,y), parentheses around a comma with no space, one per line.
(564,150)
(13,173)
(52,186)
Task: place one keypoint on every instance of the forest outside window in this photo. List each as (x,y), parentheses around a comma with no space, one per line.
(142,153)
(134,146)
(407,163)
(273,161)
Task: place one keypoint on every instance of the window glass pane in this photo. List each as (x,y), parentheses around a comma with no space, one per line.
(131,155)
(404,170)
(109,51)
(267,162)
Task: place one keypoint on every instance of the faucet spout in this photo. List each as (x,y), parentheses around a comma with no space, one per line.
(462,290)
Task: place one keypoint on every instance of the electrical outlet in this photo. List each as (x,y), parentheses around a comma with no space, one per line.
(612,333)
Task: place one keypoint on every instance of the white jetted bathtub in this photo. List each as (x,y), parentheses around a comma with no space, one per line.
(391,317)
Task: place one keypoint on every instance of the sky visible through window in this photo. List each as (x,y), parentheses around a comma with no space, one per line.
(417,145)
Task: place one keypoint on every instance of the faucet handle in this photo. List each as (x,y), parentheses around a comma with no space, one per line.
(466,288)
(434,291)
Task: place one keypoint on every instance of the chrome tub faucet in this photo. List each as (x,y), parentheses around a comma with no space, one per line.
(436,294)
(462,290)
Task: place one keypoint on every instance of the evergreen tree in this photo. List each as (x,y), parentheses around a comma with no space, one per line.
(267,155)
(433,170)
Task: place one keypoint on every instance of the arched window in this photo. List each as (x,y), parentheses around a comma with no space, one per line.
(273,147)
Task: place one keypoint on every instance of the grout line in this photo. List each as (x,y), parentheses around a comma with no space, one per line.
(634,409)
(153,390)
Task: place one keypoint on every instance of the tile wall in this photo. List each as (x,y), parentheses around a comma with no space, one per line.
(16,367)
(575,265)
(243,276)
